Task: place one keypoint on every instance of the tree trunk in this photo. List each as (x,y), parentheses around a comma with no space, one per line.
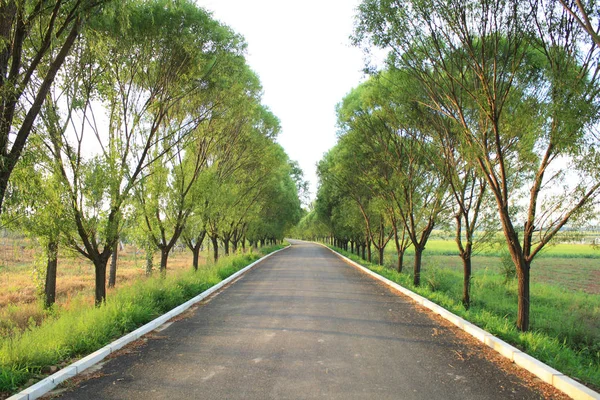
(215,244)
(368,251)
(112,276)
(466,300)
(100,284)
(400,261)
(164,257)
(244,245)
(226,246)
(50,286)
(417,266)
(149,262)
(381,250)
(399,250)
(524,298)
(195,256)
(522,267)
(364,249)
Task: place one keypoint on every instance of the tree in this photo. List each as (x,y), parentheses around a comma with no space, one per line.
(34,204)
(399,159)
(340,178)
(36,37)
(175,47)
(514,80)
(585,13)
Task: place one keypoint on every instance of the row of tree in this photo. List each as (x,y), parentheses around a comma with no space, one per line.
(152,131)
(484,119)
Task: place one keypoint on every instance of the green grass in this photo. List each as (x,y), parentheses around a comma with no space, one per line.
(560,250)
(83,329)
(565,324)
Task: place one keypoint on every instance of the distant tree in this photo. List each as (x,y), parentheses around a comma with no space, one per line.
(399,159)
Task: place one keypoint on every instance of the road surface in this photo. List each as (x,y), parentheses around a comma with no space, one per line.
(304,325)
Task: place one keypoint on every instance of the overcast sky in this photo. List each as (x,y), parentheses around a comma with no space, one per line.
(303,56)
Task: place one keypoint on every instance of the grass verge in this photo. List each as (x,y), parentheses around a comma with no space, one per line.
(70,334)
(565,325)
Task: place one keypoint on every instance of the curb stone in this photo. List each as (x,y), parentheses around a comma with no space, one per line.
(543,371)
(47,384)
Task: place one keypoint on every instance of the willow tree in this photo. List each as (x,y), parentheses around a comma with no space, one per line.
(176,46)
(399,158)
(35,39)
(277,203)
(168,194)
(34,205)
(516,82)
(341,177)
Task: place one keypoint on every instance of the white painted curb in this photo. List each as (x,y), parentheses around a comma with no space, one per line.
(546,373)
(47,384)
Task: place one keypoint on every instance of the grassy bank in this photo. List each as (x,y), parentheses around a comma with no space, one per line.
(565,324)
(82,329)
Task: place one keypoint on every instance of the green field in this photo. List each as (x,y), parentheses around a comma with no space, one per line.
(570,266)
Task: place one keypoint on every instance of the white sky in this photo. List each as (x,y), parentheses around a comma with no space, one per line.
(302,53)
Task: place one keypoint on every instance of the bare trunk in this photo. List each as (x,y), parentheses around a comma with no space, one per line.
(399,249)
(50,286)
(466,300)
(522,267)
(112,276)
(381,250)
(215,245)
(417,265)
(100,281)
(400,265)
(226,246)
(524,297)
(164,258)
(195,257)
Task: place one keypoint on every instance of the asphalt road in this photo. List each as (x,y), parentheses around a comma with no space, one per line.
(303,325)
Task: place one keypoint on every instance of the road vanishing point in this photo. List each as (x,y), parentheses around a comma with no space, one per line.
(304,324)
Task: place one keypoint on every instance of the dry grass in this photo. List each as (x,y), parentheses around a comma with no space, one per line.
(20,284)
